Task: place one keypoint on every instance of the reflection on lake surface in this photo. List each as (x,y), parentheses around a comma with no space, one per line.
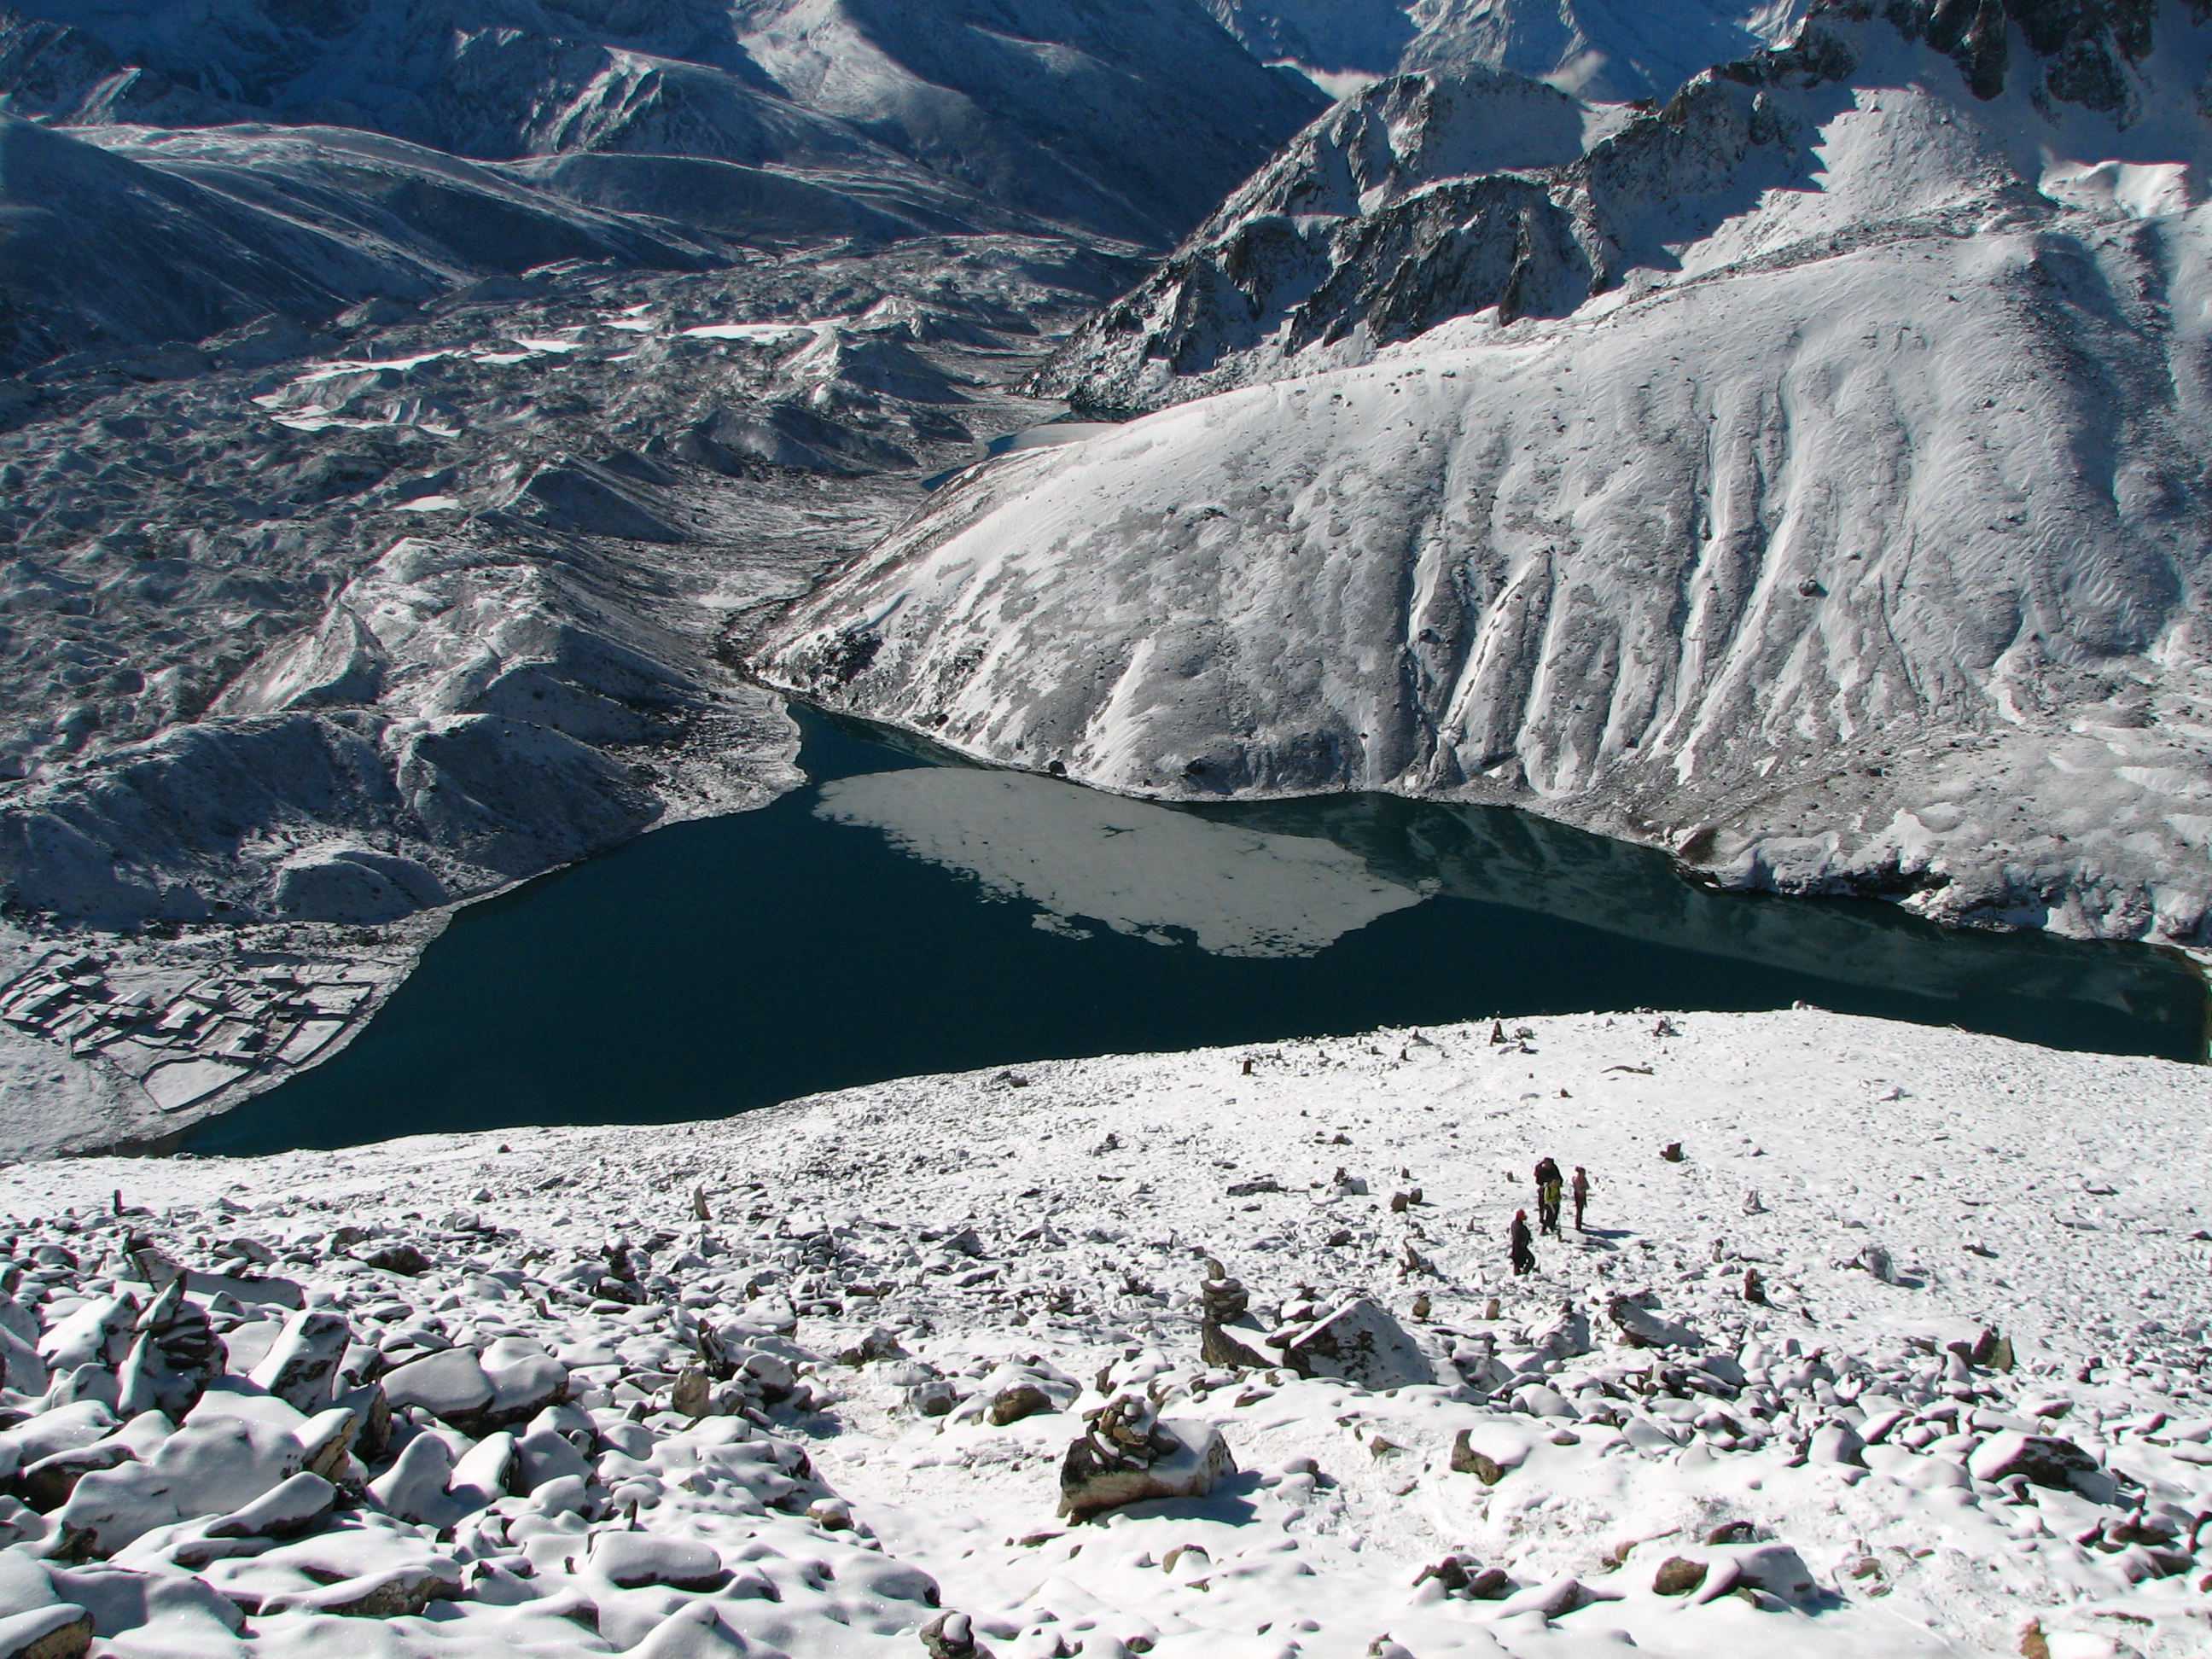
(1139,869)
(899,916)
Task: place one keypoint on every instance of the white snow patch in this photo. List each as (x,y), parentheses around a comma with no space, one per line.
(1139,868)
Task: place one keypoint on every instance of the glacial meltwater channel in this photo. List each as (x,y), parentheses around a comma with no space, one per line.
(899,916)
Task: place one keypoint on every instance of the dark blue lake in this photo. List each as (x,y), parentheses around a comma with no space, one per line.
(901,916)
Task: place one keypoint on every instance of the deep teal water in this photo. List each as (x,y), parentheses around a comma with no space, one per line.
(714,967)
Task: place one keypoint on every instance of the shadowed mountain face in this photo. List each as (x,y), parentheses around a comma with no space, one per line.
(1130,121)
(1800,475)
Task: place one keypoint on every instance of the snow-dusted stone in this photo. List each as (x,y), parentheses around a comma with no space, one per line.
(94,1382)
(952,1635)
(372,1415)
(2046,1462)
(399,1593)
(60,1631)
(1490,1451)
(249,1345)
(564,1494)
(935,1398)
(265,1293)
(59,1429)
(1678,1575)
(1539,1400)
(24,1584)
(1640,1327)
(1554,1599)
(1013,1404)
(414,1487)
(21,1367)
(294,1506)
(1836,1442)
(545,1453)
(47,1484)
(95,1334)
(176,1356)
(183,1610)
(862,1347)
(525,1379)
(1360,1342)
(1777,1569)
(1564,1335)
(234,1398)
(691,1632)
(112,1509)
(401,1258)
(18,1320)
(302,1366)
(215,1468)
(482,1474)
(630,1560)
(1647,1435)
(145,1380)
(451,1385)
(326,1441)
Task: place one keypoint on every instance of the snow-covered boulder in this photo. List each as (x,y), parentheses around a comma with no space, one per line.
(1359,1341)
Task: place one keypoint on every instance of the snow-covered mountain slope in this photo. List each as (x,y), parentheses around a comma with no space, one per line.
(1130,123)
(1901,1355)
(1845,538)
(1599,49)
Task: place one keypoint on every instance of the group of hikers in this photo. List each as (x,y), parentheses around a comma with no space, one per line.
(1550,1187)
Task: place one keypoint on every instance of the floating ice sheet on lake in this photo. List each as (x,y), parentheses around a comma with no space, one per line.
(1136,867)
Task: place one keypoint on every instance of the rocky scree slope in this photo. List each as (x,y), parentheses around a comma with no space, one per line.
(809,1381)
(1806,485)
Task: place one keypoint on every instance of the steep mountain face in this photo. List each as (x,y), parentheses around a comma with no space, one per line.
(1811,485)
(1432,195)
(1131,122)
(1423,197)
(1598,48)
